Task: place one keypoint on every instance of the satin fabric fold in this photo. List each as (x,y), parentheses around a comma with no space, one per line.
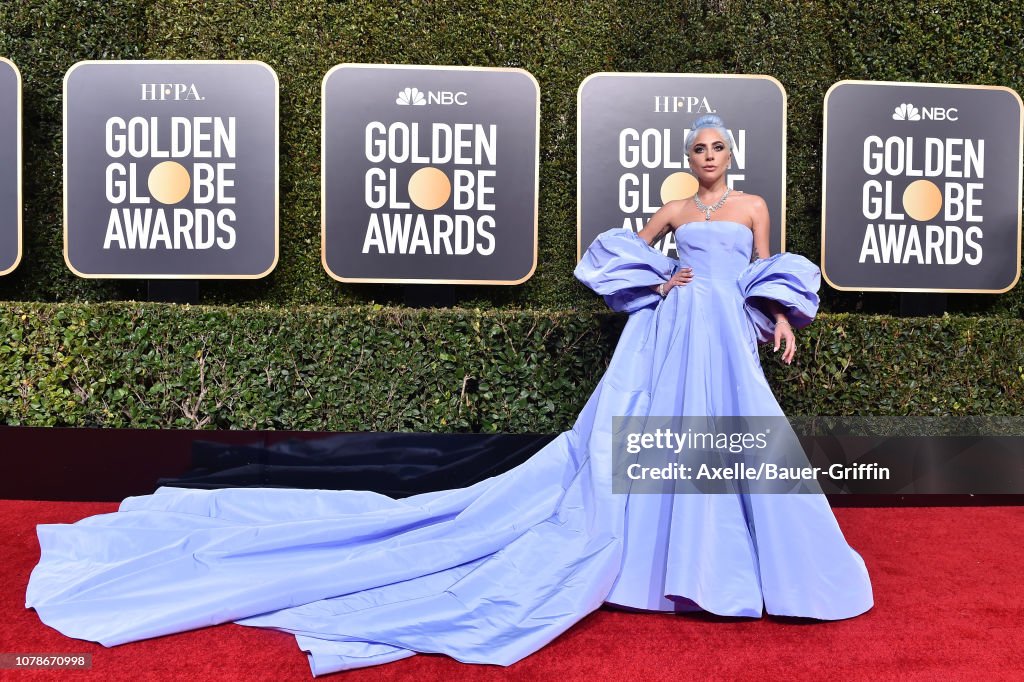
(622,267)
(786,278)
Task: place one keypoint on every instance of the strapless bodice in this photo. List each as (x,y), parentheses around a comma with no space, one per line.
(714,248)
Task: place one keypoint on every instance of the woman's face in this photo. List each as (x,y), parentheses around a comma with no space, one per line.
(709,157)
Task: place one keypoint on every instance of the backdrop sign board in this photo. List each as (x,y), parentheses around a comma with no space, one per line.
(429,174)
(171,169)
(631,129)
(921,187)
(10,166)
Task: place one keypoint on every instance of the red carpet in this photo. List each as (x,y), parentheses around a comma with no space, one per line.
(949,605)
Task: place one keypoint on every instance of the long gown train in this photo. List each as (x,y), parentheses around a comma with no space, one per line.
(492,572)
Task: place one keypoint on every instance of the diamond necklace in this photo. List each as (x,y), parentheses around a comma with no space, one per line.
(714,207)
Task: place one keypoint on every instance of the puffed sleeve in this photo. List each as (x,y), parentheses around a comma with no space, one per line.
(787,278)
(622,267)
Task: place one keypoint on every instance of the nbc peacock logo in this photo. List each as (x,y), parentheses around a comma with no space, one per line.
(906,112)
(411,96)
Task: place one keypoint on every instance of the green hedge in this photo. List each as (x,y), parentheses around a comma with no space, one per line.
(806,45)
(387,369)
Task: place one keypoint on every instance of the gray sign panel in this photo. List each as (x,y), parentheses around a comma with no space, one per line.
(429,174)
(171,169)
(10,166)
(631,128)
(921,187)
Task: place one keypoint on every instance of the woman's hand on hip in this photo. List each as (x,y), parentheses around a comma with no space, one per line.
(681,278)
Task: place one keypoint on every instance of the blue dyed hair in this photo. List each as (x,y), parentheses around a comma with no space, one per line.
(708,121)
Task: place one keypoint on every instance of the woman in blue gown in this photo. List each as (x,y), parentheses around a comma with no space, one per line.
(492,572)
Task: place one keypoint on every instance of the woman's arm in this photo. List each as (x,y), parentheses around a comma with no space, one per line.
(665,219)
(661,222)
(761,226)
(762,249)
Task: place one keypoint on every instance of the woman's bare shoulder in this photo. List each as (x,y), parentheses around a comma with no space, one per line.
(754,206)
(676,206)
(748,199)
(675,210)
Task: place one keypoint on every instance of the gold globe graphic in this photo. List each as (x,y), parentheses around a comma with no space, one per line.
(922,200)
(429,188)
(679,185)
(169,182)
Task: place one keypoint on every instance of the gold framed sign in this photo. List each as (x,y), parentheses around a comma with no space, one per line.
(171,169)
(429,174)
(630,135)
(921,187)
(10,166)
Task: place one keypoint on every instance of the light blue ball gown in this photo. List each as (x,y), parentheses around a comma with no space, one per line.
(492,572)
